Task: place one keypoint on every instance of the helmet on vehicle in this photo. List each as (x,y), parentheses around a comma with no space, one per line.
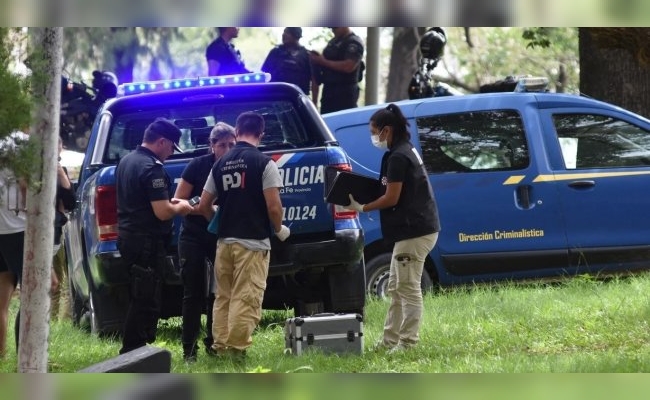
(105,82)
(432,43)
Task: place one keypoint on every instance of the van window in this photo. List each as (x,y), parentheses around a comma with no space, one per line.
(599,141)
(474,141)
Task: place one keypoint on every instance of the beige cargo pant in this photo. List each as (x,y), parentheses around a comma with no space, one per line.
(241,280)
(402,324)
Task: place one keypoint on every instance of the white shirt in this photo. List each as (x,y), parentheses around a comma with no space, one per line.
(12,218)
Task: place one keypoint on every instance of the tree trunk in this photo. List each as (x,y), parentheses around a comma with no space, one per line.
(39,234)
(611,72)
(404,58)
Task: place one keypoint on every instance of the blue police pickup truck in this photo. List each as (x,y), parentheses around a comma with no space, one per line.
(320,267)
(529,184)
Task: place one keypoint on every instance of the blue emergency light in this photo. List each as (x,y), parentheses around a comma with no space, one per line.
(157,86)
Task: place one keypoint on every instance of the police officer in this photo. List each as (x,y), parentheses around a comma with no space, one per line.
(196,244)
(246,184)
(289,62)
(145,212)
(222,56)
(339,70)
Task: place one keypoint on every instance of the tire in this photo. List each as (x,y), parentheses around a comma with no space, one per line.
(76,304)
(89,320)
(377,272)
(94,319)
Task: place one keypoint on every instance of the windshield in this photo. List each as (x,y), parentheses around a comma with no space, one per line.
(283,129)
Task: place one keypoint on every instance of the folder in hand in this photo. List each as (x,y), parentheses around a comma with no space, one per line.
(363,188)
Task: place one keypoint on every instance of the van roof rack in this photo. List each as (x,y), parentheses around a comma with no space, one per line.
(521,83)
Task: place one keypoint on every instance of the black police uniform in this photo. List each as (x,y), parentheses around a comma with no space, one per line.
(416,212)
(142,241)
(340,89)
(291,65)
(195,245)
(229,58)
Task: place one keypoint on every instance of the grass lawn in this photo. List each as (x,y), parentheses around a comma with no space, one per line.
(578,325)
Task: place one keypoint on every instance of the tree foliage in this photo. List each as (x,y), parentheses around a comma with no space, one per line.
(15,105)
(494,53)
(123,50)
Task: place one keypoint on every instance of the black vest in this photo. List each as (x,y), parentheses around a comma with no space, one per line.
(238,180)
(416,212)
(289,65)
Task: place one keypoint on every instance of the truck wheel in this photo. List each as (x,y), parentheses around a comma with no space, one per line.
(89,320)
(76,304)
(92,310)
(377,271)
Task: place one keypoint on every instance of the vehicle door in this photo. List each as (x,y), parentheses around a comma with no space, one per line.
(602,177)
(482,156)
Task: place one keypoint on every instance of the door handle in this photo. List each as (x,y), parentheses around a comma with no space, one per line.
(582,184)
(523,196)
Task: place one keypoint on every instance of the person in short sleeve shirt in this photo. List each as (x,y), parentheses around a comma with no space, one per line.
(222,56)
(144,212)
(196,244)
(246,186)
(409,219)
(338,69)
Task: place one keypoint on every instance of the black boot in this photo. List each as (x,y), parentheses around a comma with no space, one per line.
(189,352)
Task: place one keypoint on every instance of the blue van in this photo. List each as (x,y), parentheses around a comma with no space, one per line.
(529,185)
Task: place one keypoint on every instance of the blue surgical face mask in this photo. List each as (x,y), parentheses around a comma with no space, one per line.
(380,144)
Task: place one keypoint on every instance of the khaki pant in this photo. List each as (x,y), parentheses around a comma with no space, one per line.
(402,323)
(59,297)
(241,281)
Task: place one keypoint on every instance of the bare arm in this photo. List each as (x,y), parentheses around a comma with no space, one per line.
(165,209)
(184,191)
(205,207)
(274,207)
(388,199)
(347,66)
(62,178)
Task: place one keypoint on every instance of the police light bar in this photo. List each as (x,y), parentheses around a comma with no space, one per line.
(171,84)
(532,84)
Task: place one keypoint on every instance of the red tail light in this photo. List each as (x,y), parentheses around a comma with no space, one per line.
(106,212)
(338,211)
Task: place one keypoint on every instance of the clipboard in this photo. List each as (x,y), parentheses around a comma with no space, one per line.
(363,188)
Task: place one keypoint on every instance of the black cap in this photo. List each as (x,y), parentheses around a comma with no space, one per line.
(295,32)
(165,128)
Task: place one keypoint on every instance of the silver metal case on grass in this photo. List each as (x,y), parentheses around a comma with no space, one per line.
(327,332)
